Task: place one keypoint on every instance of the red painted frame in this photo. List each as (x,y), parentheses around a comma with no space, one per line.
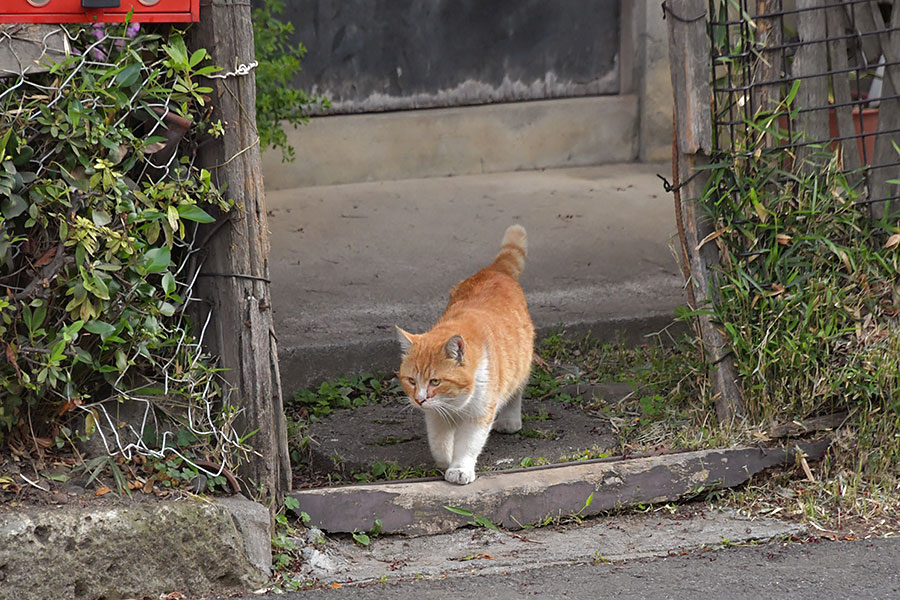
(70,11)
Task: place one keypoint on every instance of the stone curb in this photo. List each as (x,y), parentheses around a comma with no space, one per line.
(134,549)
(516,498)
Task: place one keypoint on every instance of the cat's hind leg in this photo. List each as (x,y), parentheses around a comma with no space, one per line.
(509,419)
(440,438)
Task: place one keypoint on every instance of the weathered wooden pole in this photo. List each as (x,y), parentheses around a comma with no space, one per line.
(810,62)
(689,56)
(880,185)
(768,66)
(234,278)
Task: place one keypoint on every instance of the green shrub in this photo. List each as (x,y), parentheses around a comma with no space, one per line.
(97,215)
(277,98)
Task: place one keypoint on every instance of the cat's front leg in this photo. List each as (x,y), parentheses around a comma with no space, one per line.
(440,438)
(467,444)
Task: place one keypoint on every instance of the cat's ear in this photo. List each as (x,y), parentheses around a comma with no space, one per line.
(406,339)
(456,349)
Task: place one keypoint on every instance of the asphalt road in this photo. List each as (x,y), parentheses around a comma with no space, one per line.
(813,570)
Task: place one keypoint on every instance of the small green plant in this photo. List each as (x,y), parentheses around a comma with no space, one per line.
(364,539)
(344,392)
(361,539)
(277,97)
(529,461)
(477,520)
(539,434)
(285,550)
(383,470)
(587,503)
(542,415)
(586,454)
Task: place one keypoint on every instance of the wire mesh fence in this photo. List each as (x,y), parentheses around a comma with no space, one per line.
(794,80)
(121,118)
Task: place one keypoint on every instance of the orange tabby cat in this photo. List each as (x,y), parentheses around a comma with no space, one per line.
(467,374)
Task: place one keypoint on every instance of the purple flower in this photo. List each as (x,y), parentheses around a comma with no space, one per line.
(132,29)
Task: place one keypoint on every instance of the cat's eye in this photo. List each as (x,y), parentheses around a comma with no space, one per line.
(435,382)
(411,381)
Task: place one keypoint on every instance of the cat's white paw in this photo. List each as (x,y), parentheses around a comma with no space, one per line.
(508,425)
(462,476)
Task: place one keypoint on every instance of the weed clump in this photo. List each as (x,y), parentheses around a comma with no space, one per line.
(810,302)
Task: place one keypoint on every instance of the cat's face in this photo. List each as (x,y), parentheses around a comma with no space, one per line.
(434,373)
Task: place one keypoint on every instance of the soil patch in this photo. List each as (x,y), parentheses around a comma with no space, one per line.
(362,443)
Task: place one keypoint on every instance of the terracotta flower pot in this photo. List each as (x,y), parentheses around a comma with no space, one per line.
(864,121)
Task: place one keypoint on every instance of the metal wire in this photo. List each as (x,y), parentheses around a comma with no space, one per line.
(204,412)
(736,54)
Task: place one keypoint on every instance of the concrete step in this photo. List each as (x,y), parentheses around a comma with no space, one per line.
(564,132)
(350,261)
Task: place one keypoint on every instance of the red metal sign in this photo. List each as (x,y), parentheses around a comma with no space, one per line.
(98,11)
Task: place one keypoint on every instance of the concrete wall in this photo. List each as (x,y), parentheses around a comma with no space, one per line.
(653,80)
(375,55)
(455,141)
(634,124)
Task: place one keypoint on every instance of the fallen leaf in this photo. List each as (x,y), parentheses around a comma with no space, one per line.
(335,585)
(892,241)
(783,239)
(46,257)
(11,359)
(135,485)
(102,491)
(711,236)
(8,482)
(148,485)
(70,405)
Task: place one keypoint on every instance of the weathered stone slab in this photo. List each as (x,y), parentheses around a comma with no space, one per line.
(516,498)
(125,551)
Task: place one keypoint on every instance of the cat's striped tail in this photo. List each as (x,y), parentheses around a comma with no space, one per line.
(513,249)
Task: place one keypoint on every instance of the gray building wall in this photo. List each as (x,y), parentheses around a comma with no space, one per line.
(614,63)
(376,55)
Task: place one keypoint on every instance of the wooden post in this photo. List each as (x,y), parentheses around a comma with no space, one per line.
(689,55)
(837,23)
(769,65)
(234,278)
(812,59)
(888,117)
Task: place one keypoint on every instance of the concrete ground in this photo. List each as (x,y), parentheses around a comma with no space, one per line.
(355,440)
(350,261)
(811,571)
